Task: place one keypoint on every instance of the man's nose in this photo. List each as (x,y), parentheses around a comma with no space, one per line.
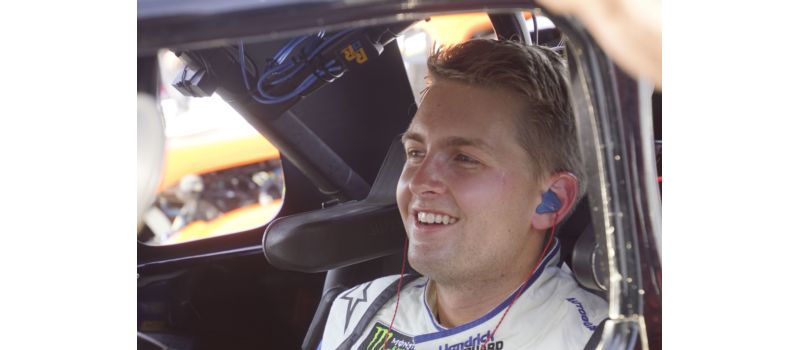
(428,178)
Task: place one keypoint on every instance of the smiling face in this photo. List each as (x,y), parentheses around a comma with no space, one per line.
(466,194)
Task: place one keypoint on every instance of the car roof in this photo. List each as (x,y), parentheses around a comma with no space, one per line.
(207,23)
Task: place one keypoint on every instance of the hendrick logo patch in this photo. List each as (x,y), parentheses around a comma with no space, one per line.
(582,312)
(394,340)
(477,342)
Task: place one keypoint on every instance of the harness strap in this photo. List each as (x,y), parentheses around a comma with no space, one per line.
(596,336)
(387,294)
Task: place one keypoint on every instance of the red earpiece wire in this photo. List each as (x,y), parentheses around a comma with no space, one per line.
(399,285)
(516,296)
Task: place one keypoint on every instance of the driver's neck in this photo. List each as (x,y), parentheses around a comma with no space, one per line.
(457,304)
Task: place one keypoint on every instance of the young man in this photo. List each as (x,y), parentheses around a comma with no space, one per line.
(491,166)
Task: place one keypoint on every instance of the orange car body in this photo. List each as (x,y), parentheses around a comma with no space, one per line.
(205,154)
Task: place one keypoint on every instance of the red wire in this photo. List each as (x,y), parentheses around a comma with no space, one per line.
(516,296)
(399,284)
(519,291)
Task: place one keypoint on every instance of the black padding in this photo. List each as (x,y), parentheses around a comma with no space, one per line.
(596,337)
(588,263)
(571,228)
(314,334)
(346,234)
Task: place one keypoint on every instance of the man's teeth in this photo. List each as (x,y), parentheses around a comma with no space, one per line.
(431,218)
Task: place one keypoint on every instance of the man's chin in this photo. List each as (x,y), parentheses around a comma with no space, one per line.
(428,263)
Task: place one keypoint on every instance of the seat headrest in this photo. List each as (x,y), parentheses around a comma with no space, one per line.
(588,263)
(346,234)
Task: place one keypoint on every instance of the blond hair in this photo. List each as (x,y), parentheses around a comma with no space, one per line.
(538,74)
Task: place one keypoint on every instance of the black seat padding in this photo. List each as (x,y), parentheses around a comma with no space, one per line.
(346,234)
(588,262)
(344,240)
(315,330)
(579,249)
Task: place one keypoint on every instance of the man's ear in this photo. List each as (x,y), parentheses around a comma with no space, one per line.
(564,191)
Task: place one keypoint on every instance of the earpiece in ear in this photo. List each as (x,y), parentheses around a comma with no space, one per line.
(550,203)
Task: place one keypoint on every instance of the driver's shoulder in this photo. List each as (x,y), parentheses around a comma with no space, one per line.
(580,308)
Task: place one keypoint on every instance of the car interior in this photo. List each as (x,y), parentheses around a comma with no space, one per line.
(271,287)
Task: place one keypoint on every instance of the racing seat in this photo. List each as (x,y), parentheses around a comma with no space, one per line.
(588,263)
(355,242)
(581,252)
(358,241)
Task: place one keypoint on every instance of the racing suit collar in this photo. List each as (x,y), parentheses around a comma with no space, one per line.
(552,258)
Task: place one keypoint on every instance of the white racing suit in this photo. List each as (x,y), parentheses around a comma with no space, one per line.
(552,312)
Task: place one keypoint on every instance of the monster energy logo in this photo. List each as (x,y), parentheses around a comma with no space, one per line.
(394,340)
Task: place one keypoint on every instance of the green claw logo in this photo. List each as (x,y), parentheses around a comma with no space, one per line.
(380,334)
(378,337)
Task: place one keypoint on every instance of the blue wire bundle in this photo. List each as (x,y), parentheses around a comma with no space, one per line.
(280,69)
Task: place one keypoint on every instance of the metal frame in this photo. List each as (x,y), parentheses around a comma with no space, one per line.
(201,24)
(608,110)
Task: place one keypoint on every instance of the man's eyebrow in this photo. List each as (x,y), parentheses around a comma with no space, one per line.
(457,141)
(453,141)
(410,135)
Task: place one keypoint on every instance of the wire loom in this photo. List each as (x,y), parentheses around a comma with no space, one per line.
(289,68)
